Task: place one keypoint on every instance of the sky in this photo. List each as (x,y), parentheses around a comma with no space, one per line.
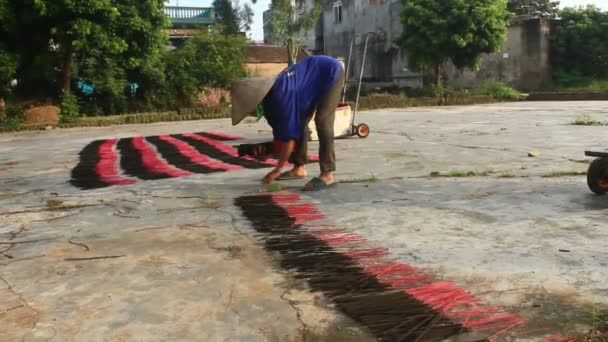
(257,31)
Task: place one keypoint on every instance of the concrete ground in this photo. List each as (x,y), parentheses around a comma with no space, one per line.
(175,260)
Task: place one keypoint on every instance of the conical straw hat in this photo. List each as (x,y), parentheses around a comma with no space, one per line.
(246,94)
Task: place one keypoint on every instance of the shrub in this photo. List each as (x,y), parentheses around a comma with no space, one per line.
(13,115)
(12,122)
(69,109)
(586,120)
(574,81)
(8,67)
(578,43)
(212,97)
(209,60)
(497,90)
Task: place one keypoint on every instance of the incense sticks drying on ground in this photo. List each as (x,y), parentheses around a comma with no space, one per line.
(114,162)
(394,300)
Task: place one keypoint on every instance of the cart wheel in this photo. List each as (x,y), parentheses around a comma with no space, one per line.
(597,176)
(362,131)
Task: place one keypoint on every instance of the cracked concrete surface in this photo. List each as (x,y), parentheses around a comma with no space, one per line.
(185,266)
(181,272)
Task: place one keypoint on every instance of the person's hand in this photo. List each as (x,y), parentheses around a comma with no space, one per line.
(272,176)
(258,153)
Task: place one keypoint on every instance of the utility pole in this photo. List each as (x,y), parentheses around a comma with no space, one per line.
(293,51)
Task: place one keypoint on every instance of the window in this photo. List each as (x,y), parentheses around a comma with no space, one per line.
(337,11)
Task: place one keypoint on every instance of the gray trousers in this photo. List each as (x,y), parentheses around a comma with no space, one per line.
(324,120)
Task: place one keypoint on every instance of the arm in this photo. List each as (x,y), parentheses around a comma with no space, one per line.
(285,152)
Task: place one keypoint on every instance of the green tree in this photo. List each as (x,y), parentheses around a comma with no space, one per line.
(208,59)
(111,28)
(246,17)
(8,61)
(36,57)
(106,42)
(541,8)
(115,48)
(226,15)
(289,20)
(79,27)
(141,26)
(232,17)
(8,67)
(579,43)
(4,12)
(440,31)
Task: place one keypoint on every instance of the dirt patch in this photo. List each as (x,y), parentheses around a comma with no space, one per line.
(599,332)
(338,333)
(41,115)
(595,336)
(15,315)
(550,307)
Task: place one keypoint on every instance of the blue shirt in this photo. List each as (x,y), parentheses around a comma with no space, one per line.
(296,93)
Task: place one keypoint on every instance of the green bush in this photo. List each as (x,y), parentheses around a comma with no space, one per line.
(497,90)
(11,123)
(587,120)
(597,85)
(13,115)
(569,79)
(208,59)
(385,100)
(69,109)
(8,67)
(13,111)
(578,44)
(574,81)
